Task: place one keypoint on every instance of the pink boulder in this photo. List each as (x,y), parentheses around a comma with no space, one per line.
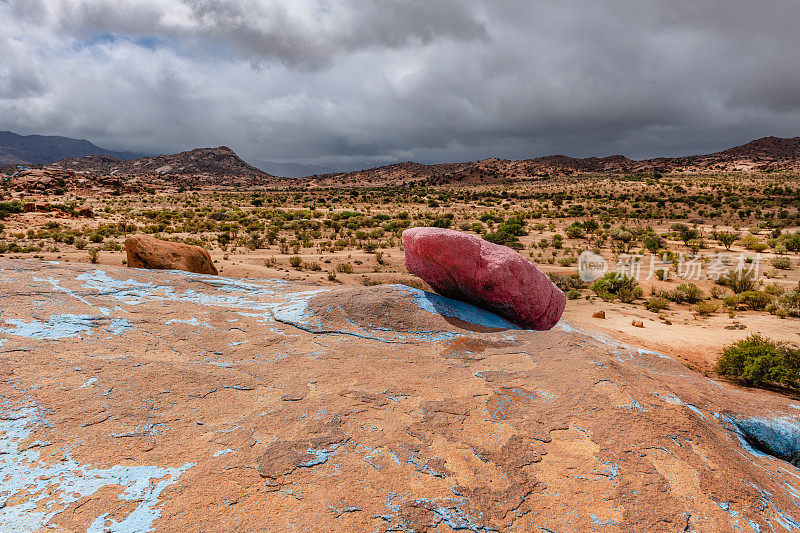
(466,267)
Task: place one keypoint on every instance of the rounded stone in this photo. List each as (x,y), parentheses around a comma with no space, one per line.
(494,277)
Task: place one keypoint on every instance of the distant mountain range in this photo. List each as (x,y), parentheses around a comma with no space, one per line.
(40,149)
(766,154)
(207,165)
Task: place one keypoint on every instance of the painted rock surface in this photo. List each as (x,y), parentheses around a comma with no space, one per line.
(144,251)
(164,401)
(466,267)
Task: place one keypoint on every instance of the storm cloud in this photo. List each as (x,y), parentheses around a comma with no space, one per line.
(361,82)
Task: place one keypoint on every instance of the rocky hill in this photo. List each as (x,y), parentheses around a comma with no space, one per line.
(40,149)
(211,166)
(138,400)
(769,153)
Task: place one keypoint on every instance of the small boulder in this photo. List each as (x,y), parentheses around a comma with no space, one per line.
(599,314)
(147,252)
(637,324)
(494,277)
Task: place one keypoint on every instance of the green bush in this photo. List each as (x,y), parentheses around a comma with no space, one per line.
(738,280)
(8,208)
(706,308)
(727,239)
(757,300)
(758,361)
(656,304)
(686,293)
(783,263)
(507,233)
(575,231)
(564,282)
(653,243)
(345,268)
(614,285)
(573,294)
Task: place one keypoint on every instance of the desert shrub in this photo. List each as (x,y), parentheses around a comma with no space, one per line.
(564,282)
(80,243)
(296,261)
(754,244)
(727,239)
(783,263)
(623,238)
(93,253)
(758,361)
(706,308)
(345,268)
(686,293)
(573,294)
(684,232)
(738,280)
(568,260)
(790,241)
(757,300)
(653,242)
(12,207)
(508,233)
(614,285)
(656,304)
(96,237)
(786,304)
(575,231)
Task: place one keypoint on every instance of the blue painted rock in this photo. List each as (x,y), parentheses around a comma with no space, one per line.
(135,400)
(466,267)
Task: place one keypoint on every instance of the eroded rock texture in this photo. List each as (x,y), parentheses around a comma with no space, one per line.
(134,400)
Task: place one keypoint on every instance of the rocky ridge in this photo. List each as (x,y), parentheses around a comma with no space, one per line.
(42,149)
(201,166)
(767,154)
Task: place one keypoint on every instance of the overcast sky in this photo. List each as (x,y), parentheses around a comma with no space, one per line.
(354,82)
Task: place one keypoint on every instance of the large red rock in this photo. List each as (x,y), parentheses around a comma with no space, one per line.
(148,252)
(466,267)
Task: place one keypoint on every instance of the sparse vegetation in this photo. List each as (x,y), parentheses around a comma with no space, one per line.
(614,286)
(758,361)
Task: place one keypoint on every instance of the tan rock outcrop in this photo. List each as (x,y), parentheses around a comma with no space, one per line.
(151,253)
(134,400)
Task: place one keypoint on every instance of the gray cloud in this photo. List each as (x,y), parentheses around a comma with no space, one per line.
(356,82)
